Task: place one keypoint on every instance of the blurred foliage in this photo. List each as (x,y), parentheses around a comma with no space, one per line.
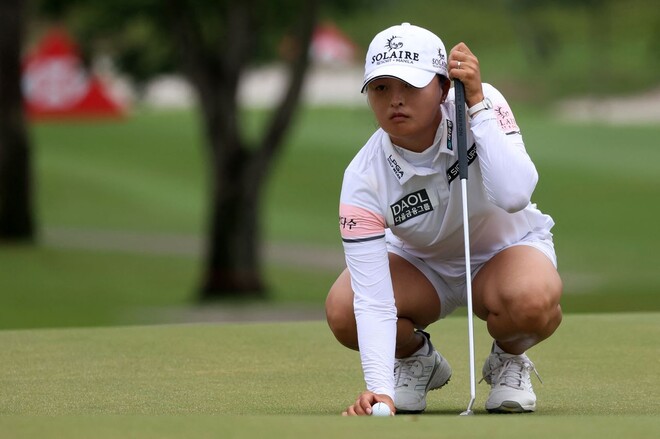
(533,49)
(138,35)
(538,50)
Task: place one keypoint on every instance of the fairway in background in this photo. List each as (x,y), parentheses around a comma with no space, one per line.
(145,173)
(598,183)
(145,178)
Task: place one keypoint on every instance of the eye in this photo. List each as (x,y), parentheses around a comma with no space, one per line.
(379,87)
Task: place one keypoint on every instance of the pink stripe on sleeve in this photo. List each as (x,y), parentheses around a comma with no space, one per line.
(357,222)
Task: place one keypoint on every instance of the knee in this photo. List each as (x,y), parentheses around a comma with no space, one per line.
(336,312)
(341,318)
(535,307)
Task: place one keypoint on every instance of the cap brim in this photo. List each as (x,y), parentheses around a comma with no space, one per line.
(414,76)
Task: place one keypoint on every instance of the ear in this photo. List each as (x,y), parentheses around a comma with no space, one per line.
(445,84)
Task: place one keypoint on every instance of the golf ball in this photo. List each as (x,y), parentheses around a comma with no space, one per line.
(380,409)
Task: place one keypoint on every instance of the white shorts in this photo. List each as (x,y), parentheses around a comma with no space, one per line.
(451,289)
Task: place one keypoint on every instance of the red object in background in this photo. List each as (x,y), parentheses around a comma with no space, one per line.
(331,46)
(56,84)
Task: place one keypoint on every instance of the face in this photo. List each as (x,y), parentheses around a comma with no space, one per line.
(409,115)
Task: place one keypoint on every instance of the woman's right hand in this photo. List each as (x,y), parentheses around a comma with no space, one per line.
(362,406)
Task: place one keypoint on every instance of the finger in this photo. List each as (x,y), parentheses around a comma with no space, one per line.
(460,65)
(463,56)
(459,70)
(359,408)
(350,411)
(359,405)
(365,406)
(461,48)
(367,400)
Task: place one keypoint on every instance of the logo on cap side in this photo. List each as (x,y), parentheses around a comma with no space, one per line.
(440,61)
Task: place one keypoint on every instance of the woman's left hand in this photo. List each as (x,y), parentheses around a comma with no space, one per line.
(464,66)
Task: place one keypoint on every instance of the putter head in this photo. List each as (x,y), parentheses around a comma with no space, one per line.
(467,413)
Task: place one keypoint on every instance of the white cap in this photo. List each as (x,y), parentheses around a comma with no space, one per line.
(406,52)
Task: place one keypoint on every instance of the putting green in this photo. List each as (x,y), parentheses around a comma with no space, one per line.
(600,376)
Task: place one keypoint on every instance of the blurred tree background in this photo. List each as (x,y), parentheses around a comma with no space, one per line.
(544,49)
(212,43)
(540,50)
(170,175)
(16,204)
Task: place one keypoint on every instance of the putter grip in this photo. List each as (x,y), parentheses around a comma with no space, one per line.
(461,127)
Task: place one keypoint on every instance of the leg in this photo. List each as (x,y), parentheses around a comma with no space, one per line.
(416,300)
(517,293)
(417,306)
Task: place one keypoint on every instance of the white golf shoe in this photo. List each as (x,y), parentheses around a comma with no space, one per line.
(417,375)
(511,385)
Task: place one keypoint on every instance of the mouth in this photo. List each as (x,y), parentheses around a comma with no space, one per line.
(398,117)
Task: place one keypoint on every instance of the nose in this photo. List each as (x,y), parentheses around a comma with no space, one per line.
(397,98)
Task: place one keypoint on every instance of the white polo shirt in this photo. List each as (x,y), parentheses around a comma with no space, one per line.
(414,201)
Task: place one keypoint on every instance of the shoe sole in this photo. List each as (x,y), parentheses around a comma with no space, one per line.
(510,407)
(416,412)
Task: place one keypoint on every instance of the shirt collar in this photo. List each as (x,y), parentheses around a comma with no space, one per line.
(402,169)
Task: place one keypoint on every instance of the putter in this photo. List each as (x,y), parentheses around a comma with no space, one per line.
(461,128)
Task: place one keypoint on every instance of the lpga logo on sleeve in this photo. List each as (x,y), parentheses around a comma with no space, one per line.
(506,120)
(410,206)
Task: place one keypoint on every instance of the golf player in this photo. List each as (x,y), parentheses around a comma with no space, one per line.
(400,218)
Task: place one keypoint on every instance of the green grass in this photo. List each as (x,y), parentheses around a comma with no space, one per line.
(45,287)
(145,173)
(598,182)
(294,427)
(52,287)
(290,379)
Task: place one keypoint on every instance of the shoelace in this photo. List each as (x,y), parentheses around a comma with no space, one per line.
(405,367)
(511,373)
